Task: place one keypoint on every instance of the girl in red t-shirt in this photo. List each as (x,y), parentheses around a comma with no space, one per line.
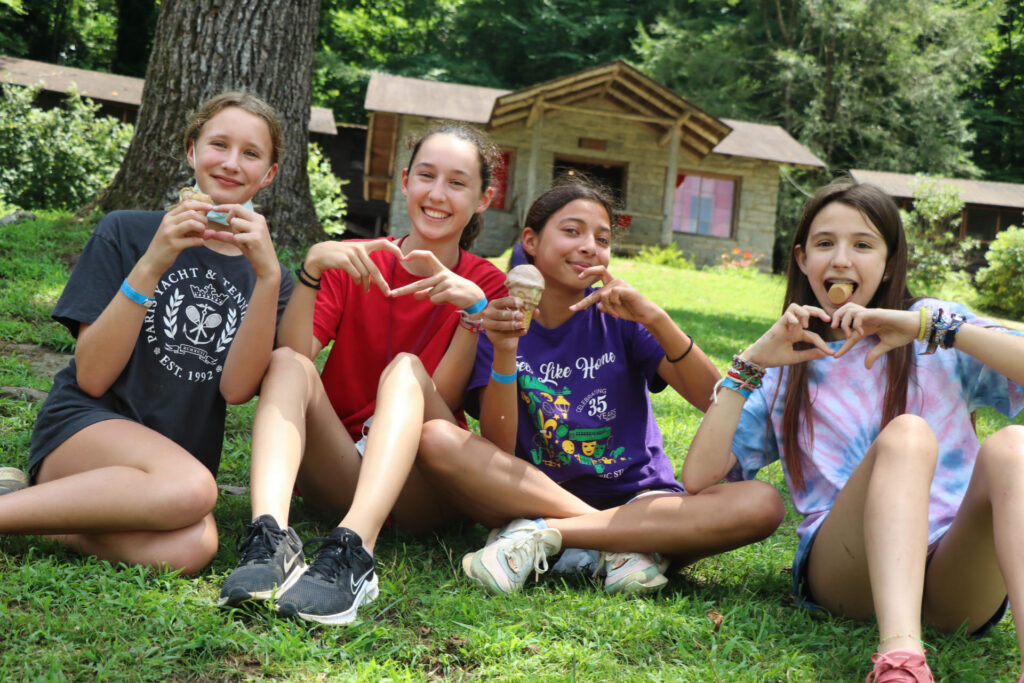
(404,317)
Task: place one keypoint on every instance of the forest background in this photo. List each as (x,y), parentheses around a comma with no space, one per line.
(914,86)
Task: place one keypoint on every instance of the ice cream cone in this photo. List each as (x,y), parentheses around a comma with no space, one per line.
(527,284)
(840,292)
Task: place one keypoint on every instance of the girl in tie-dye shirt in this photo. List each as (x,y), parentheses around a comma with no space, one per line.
(867,396)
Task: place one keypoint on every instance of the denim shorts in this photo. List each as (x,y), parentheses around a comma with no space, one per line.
(802,591)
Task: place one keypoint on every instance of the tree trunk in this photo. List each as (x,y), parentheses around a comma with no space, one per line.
(202,48)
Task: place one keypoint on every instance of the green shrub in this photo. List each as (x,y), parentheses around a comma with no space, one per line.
(58,158)
(934,250)
(665,256)
(1001,282)
(328,198)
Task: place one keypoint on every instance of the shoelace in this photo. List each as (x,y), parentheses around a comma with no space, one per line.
(331,558)
(530,543)
(259,544)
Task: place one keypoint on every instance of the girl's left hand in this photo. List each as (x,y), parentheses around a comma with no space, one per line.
(442,286)
(894,328)
(617,298)
(248,231)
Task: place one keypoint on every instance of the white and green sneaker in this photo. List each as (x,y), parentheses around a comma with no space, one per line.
(633,573)
(522,547)
(12,479)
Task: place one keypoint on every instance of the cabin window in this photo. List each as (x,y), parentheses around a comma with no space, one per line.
(705,204)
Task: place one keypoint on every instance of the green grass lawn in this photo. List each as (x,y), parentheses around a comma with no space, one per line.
(728,618)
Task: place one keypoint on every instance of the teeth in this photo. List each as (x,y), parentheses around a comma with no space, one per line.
(434,214)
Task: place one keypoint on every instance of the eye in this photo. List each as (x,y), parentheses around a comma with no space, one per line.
(426,175)
(458,183)
(218,143)
(824,244)
(864,245)
(252,153)
(570,230)
(604,241)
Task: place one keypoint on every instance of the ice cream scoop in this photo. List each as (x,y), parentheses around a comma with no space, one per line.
(840,292)
(525,282)
(187,193)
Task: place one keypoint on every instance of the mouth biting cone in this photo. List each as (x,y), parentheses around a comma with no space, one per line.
(525,282)
(840,290)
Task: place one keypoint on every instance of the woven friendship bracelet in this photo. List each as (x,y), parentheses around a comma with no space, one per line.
(941,330)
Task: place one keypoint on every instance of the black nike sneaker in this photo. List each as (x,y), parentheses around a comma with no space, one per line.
(338,581)
(271,561)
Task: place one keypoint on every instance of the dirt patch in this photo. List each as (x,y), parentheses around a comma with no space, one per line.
(43,361)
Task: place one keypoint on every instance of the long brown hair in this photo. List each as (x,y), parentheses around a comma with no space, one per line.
(893,293)
(489,156)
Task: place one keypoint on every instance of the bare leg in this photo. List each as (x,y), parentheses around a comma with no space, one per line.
(298,436)
(982,554)
(488,484)
(872,547)
(493,487)
(123,492)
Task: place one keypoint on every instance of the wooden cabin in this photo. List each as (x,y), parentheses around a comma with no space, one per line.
(683,175)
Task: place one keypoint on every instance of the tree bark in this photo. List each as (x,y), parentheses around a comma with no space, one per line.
(202,48)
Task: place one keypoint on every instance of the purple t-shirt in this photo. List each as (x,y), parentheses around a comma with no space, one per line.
(584,408)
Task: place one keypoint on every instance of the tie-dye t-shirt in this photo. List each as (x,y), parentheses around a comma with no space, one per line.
(847,404)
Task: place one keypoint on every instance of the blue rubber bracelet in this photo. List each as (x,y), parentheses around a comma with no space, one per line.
(503,379)
(140,299)
(477,307)
(730,383)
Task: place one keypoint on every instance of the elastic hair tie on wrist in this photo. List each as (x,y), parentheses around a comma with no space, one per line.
(137,297)
(503,379)
(477,307)
(307,279)
(684,354)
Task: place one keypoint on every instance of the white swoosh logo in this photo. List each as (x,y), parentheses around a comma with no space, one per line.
(356,585)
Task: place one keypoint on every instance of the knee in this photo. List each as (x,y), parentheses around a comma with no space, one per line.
(188,498)
(1003,452)
(195,550)
(762,507)
(405,367)
(438,440)
(909,437)
(288,362)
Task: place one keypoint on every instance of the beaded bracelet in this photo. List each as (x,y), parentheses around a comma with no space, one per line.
(503,379)
(472,325)
(684,354)
(137,297)
(942,329)
(307,279)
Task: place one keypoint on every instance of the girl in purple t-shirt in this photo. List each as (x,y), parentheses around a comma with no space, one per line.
(906,516)
(570,452)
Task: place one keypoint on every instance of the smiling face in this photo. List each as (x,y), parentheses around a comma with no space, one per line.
(442,187)
(231,156)
(842,246)
(576,237)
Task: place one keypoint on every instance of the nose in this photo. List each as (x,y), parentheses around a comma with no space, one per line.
(841,256)
(231,159)
(587,244)
(437,190)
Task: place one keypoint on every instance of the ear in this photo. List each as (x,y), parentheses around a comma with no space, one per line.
(190,154)
(485,200)
(530,239)
(801,258)
(269,177)
(405,182)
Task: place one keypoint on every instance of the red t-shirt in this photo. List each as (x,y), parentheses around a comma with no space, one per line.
(370,329)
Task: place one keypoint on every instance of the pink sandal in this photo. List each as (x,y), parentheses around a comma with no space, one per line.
(900,666)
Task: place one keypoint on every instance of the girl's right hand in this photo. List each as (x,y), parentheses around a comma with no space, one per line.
(182,227)
(503,323)
(775,347)
(354,259)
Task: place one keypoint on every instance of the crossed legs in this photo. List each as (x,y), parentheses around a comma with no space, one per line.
(124,493)
(493,487)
